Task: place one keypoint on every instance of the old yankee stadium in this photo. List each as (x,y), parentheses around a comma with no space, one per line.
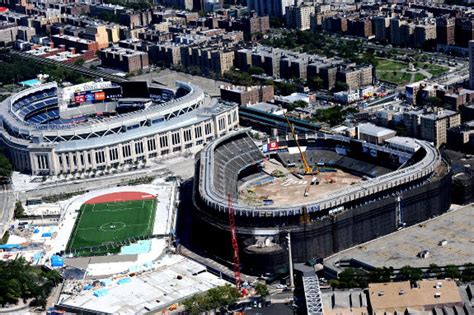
(359,191)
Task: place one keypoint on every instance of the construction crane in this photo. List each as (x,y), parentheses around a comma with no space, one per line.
(235,245)
(308,170)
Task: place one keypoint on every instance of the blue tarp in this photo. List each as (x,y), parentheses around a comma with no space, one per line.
(36,231)
(87,287)
(57,261)
(46,234)
(101,292)
(124,280)
(106,282)
(9,246)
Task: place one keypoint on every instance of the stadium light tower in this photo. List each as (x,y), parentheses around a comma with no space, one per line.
(290,261)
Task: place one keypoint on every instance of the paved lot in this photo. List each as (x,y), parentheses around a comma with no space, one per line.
(401,248)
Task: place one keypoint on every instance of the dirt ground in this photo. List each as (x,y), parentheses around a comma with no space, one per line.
(289,190)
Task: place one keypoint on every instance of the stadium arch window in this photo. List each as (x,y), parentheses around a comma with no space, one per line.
(208,129)
(165,152)
(164,141)
(82,158)
(89,158)
(151,144)
(199,142)
(235,116)
(74,160)
(175,139)
(221,124)
(187,135)
(198,132)
(126,152)
(152,155)
(60,159)
(187,146)
(138,147)
(229,119)
(176,149)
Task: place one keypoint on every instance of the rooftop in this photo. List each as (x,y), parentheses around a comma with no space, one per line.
(401,248)
(177,279)
(397,296)
(373,130)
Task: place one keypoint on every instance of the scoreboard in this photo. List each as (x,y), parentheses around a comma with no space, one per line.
(94,96)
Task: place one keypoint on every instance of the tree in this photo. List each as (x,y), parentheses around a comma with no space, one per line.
(341,86)
(261,289)
(213,299)
(285,88)
(256,70)
(434,101)
(410,273)
(435,271)
(19,211)
(18,279)
(381,274)
(316,83)
(468,272)
(79,62)
(297,104)
(452,271)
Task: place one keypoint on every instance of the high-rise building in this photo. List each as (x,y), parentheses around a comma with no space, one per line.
(381,28)
(274,8)
(425,35)
(434,126)
(445,28)
(464,31)
(471,64)
(299,17)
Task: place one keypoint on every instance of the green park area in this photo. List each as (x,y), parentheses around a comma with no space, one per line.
(398,72)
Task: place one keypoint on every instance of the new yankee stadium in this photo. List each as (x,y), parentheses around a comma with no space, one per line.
(50,130)
(357,191)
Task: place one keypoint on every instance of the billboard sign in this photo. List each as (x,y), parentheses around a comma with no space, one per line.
(273,145)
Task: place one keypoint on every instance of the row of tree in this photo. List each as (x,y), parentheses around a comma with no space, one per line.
(360,278)
(14,69)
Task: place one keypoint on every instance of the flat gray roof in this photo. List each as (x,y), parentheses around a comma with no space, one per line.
(400,248)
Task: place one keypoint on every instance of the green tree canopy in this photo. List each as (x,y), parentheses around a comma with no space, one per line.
(20,280)
(213,299)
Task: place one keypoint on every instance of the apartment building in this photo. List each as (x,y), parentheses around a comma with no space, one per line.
(127,60)
(434,126)
(381,28)
(299,17)
(355,77)
(247,95)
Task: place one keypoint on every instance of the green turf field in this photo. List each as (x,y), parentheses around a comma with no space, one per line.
(107,224)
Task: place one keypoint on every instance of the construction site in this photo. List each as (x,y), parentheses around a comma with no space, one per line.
(282,186)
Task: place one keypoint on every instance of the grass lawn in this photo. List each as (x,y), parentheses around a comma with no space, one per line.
(434,69)
(391,71)
(390,65)
(108,224)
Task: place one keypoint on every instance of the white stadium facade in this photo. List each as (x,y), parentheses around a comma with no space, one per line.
(49,130)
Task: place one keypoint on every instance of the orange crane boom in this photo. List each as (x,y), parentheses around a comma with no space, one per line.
(307,169)
(235,245)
